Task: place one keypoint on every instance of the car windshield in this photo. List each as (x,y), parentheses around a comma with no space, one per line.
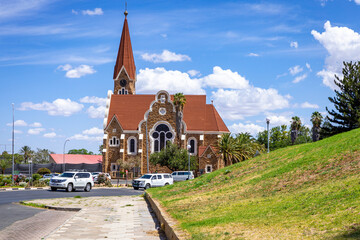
(95,173)
(67,175)
(146,176)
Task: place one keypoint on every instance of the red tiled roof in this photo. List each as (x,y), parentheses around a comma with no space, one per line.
(76,158)
(125,54)
(198,116)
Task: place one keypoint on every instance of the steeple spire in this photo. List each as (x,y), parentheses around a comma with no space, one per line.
(125,55)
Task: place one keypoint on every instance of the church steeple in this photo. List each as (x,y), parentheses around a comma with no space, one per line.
(125,59)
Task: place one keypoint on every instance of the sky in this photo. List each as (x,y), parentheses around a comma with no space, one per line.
(253,59)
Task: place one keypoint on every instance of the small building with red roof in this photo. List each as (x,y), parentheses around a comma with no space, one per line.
(136,125)
(75,159)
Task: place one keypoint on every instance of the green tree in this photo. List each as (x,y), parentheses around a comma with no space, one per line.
(4,164)
(42,156)
(27,153)
(227,148)
(316,119)
(295,127)
(179,102)
(279,137)
(347,100)
(101,147)
(247,147)
(173,157)
(82,151)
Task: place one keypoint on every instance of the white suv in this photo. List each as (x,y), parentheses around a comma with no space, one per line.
(152,180)
(182,176)
(72,181)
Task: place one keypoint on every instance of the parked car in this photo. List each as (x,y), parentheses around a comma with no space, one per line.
(152,180)
(72,181)
(182,175)
(51,175)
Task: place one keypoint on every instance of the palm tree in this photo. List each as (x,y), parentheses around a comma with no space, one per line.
(26,152)
(316,119)
(4,164)
(179,102)
(295,127)
(247,146)
(227,148)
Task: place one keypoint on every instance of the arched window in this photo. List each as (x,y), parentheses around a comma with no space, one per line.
(132,145)
(114,142)
(193,146)
(123,91)
(160,136)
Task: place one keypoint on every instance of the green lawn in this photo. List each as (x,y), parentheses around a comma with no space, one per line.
(308,191)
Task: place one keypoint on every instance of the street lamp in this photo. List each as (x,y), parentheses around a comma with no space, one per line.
(67,140)
(268,133)
(188,148)
(13,133)
(30,177)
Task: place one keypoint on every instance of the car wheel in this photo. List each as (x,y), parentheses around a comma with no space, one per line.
(147,186)
(88,187)
(136,188)
(69,187)
(53,188)
(166,184)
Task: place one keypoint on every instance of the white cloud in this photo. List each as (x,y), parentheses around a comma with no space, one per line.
(308,65)
(97,100)
(294,44)
(74,12)
(300,78)
(165,56)
(96,112)
(251,128)
(36,124)
(35,131)
(309,105)
(59,107)
(357,2)
(193,73)
(93,131)
(295,70)
(279,119)
(77,72)
(253,55)
(225,79)
(18,123)
(164,35)
(50,135)
(16,8)
(153,80)
(17,131)
(86,138)
(237,104)
(96,11)
(342,44)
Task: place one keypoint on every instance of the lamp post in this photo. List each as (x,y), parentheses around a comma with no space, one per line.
(13,133)
(188,148)
(268,133)
(67,140)
(147,145)
(30,177)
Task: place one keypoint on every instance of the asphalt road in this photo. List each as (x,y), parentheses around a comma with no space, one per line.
(11,212)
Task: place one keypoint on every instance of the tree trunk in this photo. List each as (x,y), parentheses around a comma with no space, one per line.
(315,134)
(294,135)
(179,116)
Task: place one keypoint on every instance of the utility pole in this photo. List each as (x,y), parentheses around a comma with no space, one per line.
(268,134)
(13,135)
(67,140)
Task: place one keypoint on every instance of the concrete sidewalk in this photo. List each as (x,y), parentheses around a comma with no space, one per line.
(125,217)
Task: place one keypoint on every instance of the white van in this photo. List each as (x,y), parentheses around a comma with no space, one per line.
(182,175)
(152,180)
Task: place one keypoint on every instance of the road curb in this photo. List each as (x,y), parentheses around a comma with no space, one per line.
(168,225)
(22,189)
(52,207)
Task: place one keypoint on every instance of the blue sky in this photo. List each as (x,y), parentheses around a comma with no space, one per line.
(255,59)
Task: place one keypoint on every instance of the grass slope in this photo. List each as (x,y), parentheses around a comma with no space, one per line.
(308,191)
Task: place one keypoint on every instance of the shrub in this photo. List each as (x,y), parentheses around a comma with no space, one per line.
(108,183)
(36,176)
(46,181)
(22,184)
(20,178)
(101,178)
(43,171)
(38,183)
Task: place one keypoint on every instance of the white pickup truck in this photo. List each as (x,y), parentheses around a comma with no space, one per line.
(152,180)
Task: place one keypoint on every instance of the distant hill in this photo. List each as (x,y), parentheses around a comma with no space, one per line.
(307,191)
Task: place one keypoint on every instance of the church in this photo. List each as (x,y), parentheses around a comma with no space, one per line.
(137,125)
